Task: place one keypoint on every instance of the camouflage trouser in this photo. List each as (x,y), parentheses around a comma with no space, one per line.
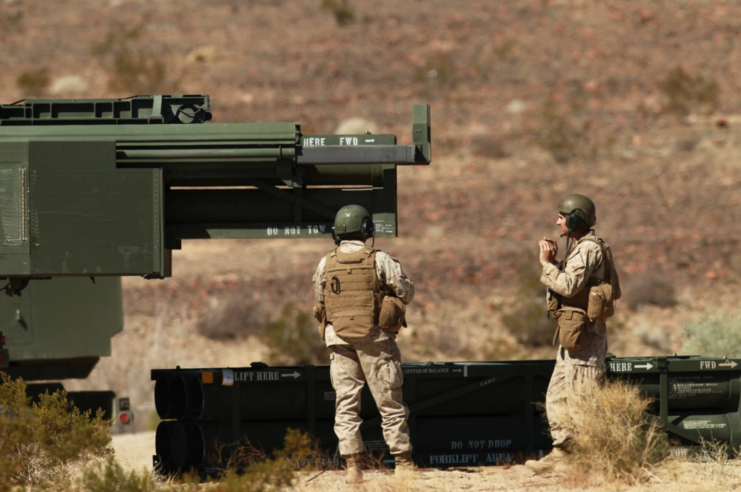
(379,363)
(569,373)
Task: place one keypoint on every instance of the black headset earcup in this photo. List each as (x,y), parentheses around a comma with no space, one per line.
(575,221)
(368,228)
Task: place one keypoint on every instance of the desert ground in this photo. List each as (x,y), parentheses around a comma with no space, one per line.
(634,104)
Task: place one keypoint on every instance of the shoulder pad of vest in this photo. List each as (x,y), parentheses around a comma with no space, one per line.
(592,239)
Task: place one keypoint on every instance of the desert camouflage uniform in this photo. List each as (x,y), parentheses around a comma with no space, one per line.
(585,261)
(375,359)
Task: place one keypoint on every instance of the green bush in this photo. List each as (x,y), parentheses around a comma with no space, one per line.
(717,336)
(39,439)
(686,93)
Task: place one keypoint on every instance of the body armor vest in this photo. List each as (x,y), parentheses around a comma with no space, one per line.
(582,298)
(352,294)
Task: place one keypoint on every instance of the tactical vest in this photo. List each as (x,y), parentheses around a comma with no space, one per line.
(582,298)
(352,294)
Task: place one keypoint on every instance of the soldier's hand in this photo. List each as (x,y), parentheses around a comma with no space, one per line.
(548,250)
(553,246)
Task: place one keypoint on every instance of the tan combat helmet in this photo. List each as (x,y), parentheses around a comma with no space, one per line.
(579,210)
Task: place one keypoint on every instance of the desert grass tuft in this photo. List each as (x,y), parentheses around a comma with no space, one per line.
(614,440)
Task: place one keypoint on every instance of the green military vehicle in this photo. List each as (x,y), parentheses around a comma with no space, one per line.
(102,188)
(109,187)
(59,330)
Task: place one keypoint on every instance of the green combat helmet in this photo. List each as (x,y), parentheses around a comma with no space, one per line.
(579,210)
(352,222)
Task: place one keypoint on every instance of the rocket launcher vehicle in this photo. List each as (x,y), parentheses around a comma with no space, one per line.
(109,187)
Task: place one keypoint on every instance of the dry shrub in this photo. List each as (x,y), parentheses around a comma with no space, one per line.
(715,463)
(10,19)
(133,64)
(293,339)
(717,336)
(564,130)
(438,74)
(526,318)
(39,440)
(438,344)
(33,82)
(653,336)
(639,289)
(488,146)
(492,56)
(255,474)
(230,316)
(111,477)
(614,439)
(342,10)
(687,94)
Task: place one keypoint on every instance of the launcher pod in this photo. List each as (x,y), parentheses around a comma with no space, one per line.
(462,413)
(696,398)
(109,187)
(465,413)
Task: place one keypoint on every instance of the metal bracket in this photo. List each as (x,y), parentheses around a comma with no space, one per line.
(294,199)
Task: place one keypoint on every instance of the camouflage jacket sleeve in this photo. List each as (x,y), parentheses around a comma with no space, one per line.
(582,263)
(319,281)
(392,276)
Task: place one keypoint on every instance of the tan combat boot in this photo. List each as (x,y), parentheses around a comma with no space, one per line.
(354,470)
(547,464)
(404,465)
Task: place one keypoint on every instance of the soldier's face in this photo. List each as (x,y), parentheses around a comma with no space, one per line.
(561,223)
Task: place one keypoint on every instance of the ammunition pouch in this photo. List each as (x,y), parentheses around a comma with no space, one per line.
(392,315)
(571,331)
(321,316)
(601,302)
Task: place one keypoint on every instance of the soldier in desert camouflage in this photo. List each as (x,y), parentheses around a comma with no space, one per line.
(581,294)
(362,294)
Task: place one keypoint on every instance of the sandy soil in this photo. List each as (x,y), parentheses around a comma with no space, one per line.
(134,452)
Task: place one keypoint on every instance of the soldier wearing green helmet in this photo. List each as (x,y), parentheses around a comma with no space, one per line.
(582,290)
(361,296)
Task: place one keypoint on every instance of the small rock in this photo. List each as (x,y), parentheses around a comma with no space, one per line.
(353,126)
(201,54)
(69,84)
(516,106)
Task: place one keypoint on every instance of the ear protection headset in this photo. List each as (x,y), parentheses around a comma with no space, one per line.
(367,230)
(577,220)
